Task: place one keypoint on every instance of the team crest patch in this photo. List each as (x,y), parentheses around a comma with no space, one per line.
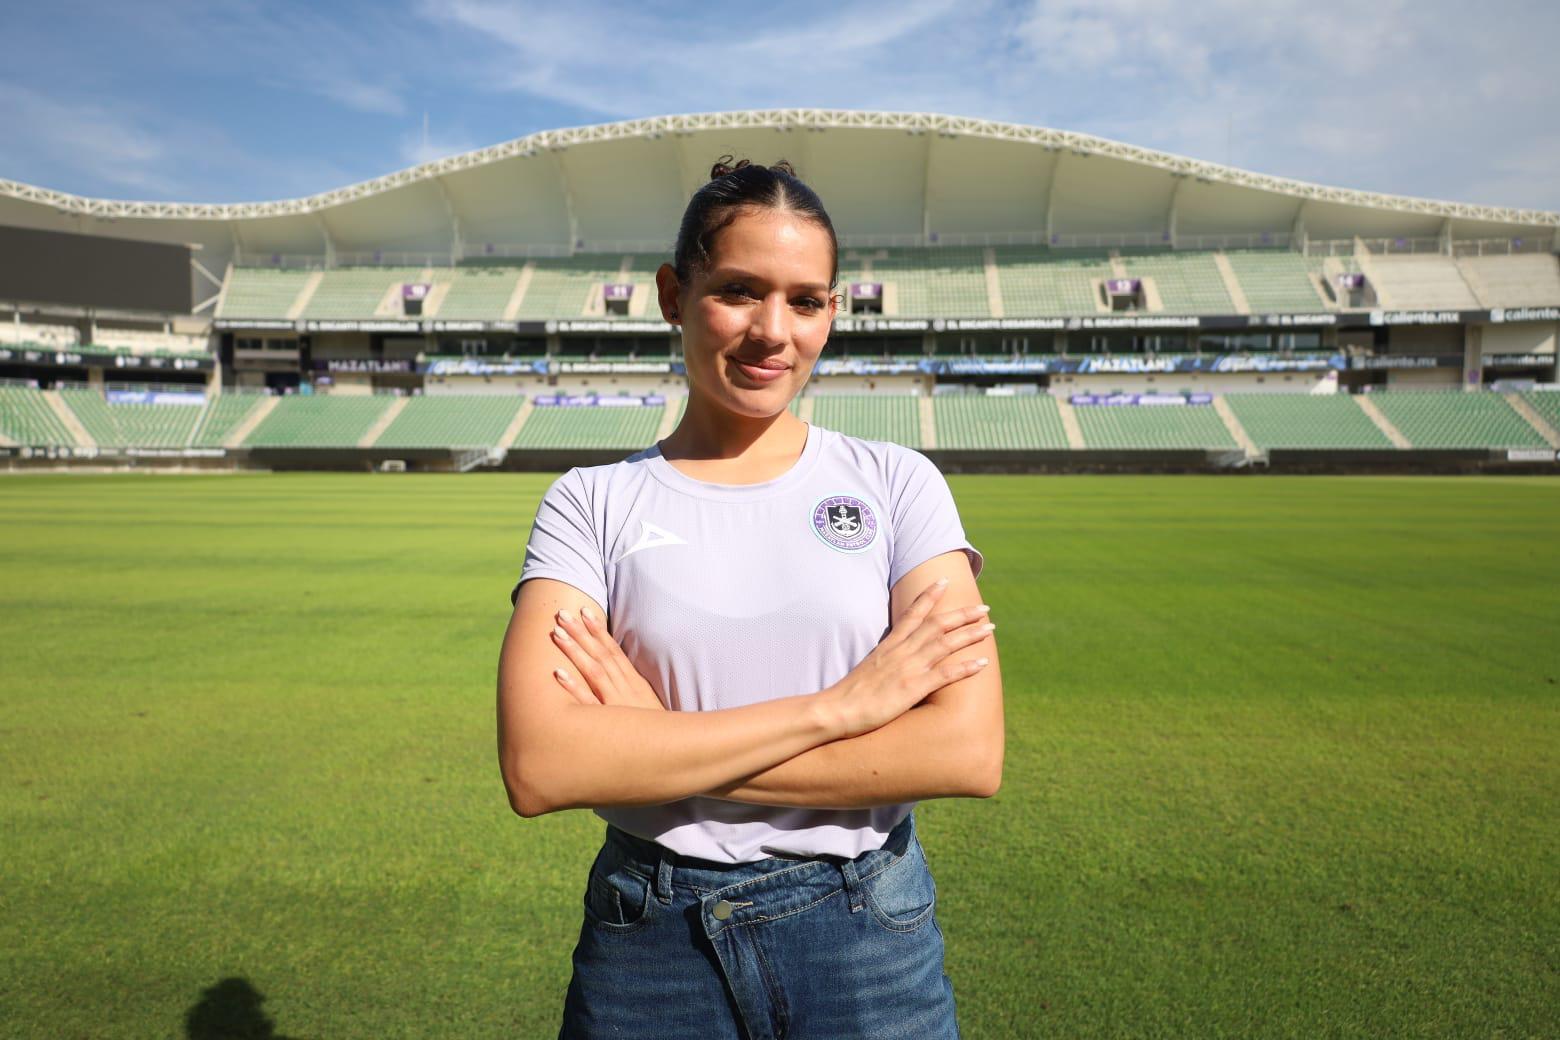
(845,522)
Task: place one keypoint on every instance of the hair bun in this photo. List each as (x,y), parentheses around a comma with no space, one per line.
(727,164)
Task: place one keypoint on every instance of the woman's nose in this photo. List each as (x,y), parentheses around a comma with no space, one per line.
(769,322)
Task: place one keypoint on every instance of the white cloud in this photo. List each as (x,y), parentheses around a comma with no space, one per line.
(102,142)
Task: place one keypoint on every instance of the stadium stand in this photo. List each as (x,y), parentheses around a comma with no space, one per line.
(878,417)
(561,287)
(132,425)
(143,341)
(1546,403)
(1455,419)
(356,292)
(602,426)
(477,292)
(1305,421)
(1188,283)
(43,335)
(1522,280)
(221,416)
(945,282)
(451,421)
(261,292)
(1039,282)
(1274,280)
(1421,281)
(976,421)
(26,418)
(1153,426)
(318,421)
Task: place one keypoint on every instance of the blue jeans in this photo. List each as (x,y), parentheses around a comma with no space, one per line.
(785,948)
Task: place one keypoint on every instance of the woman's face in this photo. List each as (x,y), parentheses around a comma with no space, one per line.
(756,318)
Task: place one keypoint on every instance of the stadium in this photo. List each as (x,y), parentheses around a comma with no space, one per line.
(1280,751)
(1015,298)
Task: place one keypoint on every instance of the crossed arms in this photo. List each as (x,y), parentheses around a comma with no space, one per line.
(556,752)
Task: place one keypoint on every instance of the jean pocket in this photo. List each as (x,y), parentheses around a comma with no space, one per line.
(902,896)
(618,898)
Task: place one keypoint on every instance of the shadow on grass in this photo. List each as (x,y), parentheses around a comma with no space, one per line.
(230,1010)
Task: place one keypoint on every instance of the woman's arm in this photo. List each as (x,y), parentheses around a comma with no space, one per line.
(556,752)
(951,744)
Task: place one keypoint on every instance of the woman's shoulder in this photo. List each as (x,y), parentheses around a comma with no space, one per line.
(605,478)
(895,461)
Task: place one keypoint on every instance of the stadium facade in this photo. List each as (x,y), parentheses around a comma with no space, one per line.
(1015,295)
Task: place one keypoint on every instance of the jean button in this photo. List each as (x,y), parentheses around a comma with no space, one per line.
(721,910)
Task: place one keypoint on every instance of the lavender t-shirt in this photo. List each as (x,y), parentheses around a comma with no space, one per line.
(724,595)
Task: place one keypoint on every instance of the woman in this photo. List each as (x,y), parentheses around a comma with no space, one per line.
(701,651)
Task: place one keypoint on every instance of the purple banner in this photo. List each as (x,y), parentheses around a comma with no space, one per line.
(1123,286)
(415,291)
(1140,399)
(866,290)
(1353,280)
(153,397)
(592,401)
(616,291)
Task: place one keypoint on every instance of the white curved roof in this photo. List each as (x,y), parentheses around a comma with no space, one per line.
(887,178)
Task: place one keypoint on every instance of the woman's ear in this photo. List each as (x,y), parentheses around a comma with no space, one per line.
(667,289)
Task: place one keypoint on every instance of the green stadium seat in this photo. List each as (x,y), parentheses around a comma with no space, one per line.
(451,421)
(974,421)
(318,421)
(1277,420)
(878,417)
(1456,419)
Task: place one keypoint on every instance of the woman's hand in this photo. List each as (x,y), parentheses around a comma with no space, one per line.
(913,661)
(609,677)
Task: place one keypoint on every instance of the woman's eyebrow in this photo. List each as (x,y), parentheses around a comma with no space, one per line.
(731,272)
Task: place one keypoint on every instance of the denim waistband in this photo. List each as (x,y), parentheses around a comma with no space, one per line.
(666,867)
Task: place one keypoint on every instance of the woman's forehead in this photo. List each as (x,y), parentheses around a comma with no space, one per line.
(774,242)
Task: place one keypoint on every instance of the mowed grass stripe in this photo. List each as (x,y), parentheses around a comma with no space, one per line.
(1280,760)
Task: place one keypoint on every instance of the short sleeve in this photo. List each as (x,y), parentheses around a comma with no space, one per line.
(924,517)
(563,543)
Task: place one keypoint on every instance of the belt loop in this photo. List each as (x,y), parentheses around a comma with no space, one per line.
(663,876)
(852,884)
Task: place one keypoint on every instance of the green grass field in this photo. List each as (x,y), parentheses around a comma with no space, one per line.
(1282,761)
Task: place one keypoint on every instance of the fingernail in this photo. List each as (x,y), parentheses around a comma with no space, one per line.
(988,626)
(983,609)
(941,581)
(560,673)
(561,634)
(564,615)
(983,661)
(585,612)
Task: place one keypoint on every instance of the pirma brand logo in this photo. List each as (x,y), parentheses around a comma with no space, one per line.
(845,523)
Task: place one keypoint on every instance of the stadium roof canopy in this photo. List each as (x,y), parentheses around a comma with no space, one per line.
(887,179)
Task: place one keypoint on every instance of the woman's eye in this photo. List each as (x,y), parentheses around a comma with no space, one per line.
(810,303)
(736,290)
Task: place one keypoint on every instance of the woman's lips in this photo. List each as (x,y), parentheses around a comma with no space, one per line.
(764,372)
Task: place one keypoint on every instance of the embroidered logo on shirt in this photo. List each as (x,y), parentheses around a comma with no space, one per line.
(845,522)
(651,536)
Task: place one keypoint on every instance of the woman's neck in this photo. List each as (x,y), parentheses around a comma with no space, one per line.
(710,442)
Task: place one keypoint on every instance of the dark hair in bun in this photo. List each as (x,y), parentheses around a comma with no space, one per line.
(737,185)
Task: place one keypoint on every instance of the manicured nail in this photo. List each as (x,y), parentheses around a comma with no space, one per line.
(564,615)
(585,612)
(560,673)
(563,637)
(988,626)
(984,608)
(941,581)
(982,661)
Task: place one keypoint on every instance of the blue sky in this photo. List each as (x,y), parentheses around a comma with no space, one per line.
(219,101)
